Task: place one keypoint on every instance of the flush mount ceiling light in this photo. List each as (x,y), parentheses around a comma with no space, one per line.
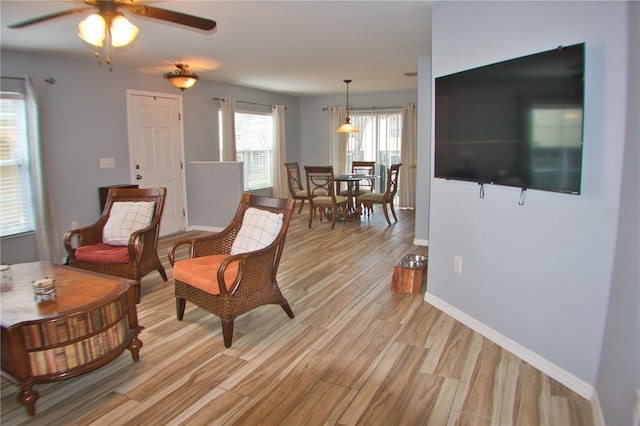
(347,127)
(181,77)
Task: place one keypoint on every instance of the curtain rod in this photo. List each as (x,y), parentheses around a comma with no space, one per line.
(49,80)
(373,108)
(246,102)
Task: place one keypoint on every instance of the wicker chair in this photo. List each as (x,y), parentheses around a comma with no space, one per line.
(226,284)
(296,189)
(133,259)
(385,199)
(322,195)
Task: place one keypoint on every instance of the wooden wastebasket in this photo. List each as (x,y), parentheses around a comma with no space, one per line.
(408,274)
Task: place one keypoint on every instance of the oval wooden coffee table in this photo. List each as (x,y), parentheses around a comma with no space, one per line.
(91,322)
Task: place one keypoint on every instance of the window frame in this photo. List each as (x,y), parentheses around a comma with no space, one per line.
(254,178)
(16,201)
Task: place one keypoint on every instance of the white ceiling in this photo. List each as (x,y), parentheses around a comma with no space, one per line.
(299,48)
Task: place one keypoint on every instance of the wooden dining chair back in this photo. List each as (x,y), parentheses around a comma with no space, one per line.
(296,188)
(124,240)
(386,199)
(365,168)
(322,195)
(235,270)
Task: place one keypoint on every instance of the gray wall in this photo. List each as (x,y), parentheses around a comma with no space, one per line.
(541,274)
(423,175)
(85,119)
(619,372)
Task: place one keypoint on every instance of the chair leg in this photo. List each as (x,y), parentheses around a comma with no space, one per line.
(311,212)
(393,210)
(301,206)
(386,213)
(163,274)
(288,310)
(227,332)
(180,304)
(136,291)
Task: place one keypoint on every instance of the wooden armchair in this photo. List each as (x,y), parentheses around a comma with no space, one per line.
(234,271)
(322,195)
(124,240)
(296,188)
(385,199)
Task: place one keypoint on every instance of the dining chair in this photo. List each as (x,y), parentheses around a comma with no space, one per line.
(124,240)
(234,271)
(296,188)
(364,168)
(322,196)
(387,197)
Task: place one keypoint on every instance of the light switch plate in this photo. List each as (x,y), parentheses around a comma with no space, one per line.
(107,163)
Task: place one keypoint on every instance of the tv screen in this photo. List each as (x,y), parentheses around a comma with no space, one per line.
(516,123)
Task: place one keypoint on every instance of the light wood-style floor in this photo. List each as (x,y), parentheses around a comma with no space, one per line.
(356,353)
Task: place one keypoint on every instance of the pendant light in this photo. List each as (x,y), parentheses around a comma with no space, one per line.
(347,127)
(181,77)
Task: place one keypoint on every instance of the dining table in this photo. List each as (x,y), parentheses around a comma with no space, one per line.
(353,189)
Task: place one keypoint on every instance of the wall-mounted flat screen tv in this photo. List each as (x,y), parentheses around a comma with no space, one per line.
(517,123)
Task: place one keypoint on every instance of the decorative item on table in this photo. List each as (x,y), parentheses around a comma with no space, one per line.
(6,280)
(44,289)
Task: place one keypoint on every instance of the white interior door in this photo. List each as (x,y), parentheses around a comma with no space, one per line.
(156,151)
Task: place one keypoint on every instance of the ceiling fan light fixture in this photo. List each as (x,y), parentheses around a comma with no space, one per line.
(123,32)
(347,127)
(182,78)
(93,30)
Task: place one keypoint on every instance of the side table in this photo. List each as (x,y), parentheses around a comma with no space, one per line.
(89,323)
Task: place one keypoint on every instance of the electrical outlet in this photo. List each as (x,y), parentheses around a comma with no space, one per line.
(74,224)
(457,264)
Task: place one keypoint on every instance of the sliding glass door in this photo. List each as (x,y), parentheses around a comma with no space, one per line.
(378,140)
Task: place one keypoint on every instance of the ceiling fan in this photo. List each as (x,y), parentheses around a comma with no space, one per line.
(109,9)
(108,23)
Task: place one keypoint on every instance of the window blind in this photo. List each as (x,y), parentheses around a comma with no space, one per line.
(16,210)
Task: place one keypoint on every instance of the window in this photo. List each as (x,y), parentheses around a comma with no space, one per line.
(16,212)
(379,140)
(254,147)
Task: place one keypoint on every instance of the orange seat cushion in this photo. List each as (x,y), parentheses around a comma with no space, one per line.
(202,272)
(102,253)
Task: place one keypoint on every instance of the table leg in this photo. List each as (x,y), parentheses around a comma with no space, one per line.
(356,203)
(134,348)
(28,398)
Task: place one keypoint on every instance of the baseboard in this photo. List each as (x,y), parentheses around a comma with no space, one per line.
(577,385)
(421,242)
(596,411)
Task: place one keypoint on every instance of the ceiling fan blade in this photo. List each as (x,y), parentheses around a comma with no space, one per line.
(171,16)
(47,17)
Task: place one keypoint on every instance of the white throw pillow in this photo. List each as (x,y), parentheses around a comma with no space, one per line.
(125,218)
(259,229)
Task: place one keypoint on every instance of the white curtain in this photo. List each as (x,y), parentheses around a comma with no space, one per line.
(46,224)
(228,107)
(337,141)
(280,184)
(408,157)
